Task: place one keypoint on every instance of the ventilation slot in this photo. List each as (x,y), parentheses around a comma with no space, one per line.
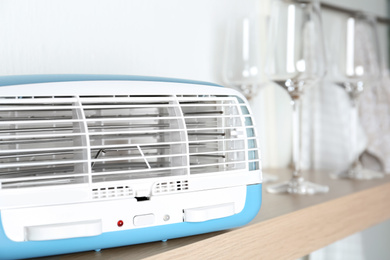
(112,192)
(216,134)
(41,142)
(135,138)
(253,153)
(170,187)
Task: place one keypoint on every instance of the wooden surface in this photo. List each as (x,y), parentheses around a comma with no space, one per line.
(287,226)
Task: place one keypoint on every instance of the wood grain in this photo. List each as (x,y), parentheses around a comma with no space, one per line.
(287,227)
(296,234)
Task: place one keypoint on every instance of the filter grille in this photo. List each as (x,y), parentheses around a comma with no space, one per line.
(42,142)
(49,140)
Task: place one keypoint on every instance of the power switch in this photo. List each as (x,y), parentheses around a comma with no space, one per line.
(143,220)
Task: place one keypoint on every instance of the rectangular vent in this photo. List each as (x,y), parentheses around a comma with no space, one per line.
(170,186)
(112,192)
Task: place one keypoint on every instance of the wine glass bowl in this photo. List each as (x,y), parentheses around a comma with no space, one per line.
(296,57)
(242,67)
(358,57)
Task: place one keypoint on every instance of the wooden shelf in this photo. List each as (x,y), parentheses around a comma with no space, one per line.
(287,226)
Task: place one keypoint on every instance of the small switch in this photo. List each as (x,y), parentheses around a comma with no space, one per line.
(209,212)
(143,220)
(142,193)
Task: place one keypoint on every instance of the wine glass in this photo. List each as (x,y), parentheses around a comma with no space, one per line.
(358,68)
(296,61)
(242,66)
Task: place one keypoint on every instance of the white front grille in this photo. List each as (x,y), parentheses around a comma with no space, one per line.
(95,139)
(42,142)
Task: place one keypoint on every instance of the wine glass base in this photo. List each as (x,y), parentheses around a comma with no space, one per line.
(298,186)
(358,174)
(267,178)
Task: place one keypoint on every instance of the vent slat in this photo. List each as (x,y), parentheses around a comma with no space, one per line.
(36,150)
(146,100)
(141,171)
(129,118)
(47,101)
(7,123)
(134,145)
(223,151)
(88,107)
(133,133)
(36,141)
(38,171)
(43,178)
(212,116)
(40,163)
(200,100)
(215,128)
(47,136)
(20,155)
(17,107)
(184,105)
(218,164)
(220,140)
(35,183)
(36,129)
(194,142)
(124,158)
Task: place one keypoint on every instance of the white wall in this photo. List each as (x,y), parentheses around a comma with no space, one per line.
(162,38)
(169,38)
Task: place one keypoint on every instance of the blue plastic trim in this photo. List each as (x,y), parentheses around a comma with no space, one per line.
(30,79)
(17,250)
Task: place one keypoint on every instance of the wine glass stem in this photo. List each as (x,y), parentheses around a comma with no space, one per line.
(353,131)
(296,137)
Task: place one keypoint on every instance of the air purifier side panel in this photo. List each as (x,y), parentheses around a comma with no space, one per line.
(18,250)
(33,79)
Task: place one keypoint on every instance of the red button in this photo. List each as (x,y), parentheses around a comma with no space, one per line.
(120,223)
